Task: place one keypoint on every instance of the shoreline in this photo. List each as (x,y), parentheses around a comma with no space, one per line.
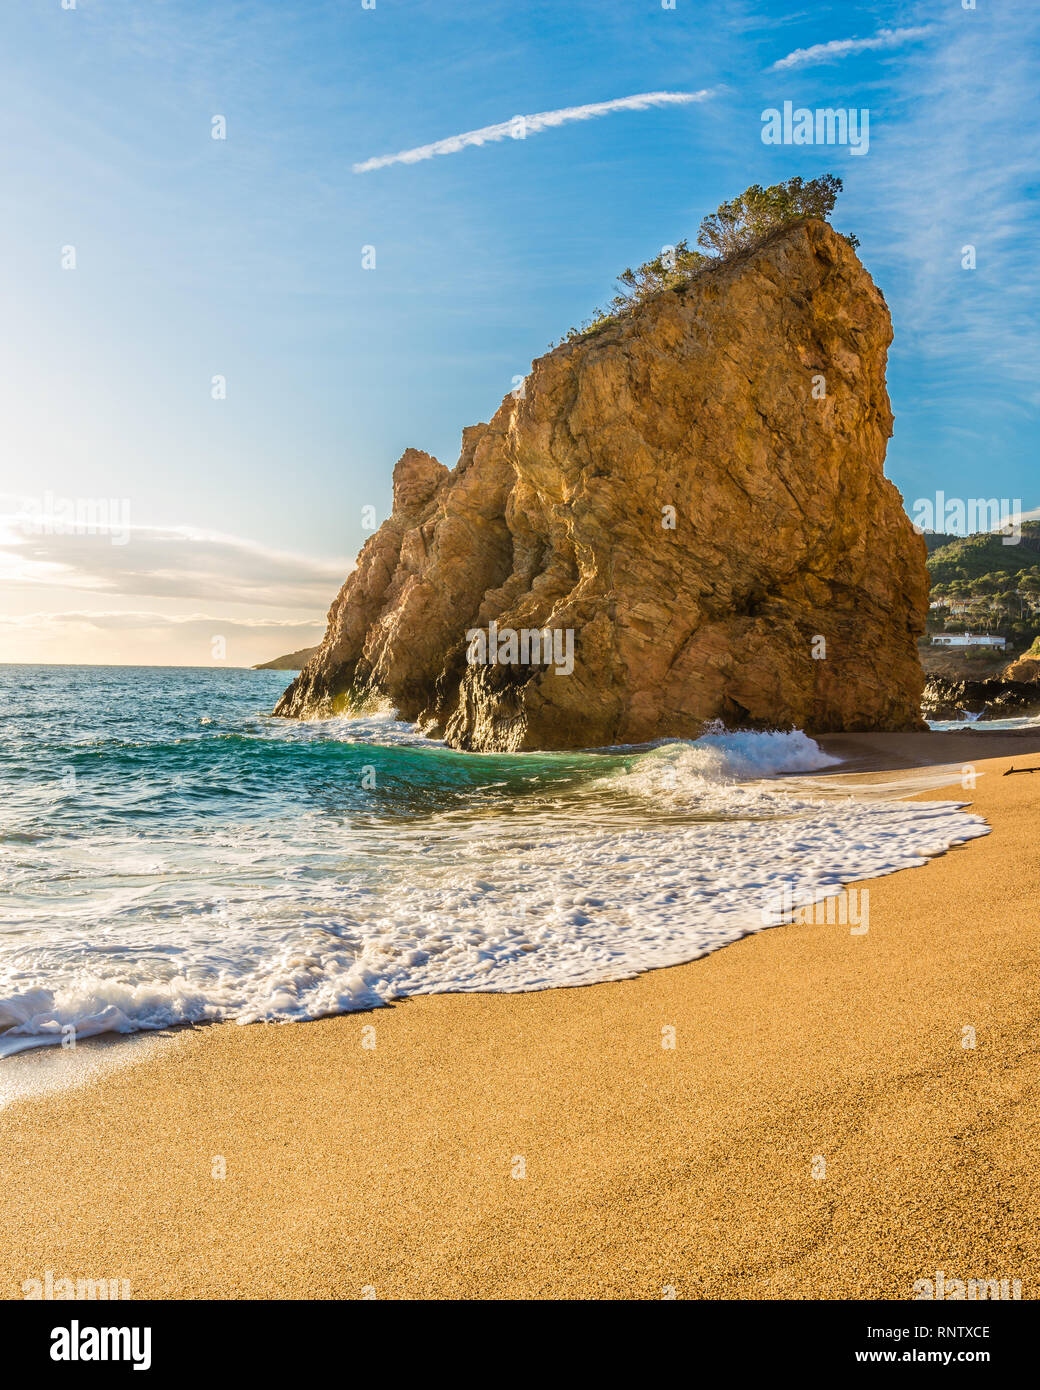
(396,1166)
(44,1066)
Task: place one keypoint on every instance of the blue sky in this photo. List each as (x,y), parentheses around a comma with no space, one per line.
(241,258)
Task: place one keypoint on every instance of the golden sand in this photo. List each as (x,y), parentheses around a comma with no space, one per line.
(819,1130)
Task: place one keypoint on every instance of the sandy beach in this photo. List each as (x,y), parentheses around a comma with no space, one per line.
(819,1130)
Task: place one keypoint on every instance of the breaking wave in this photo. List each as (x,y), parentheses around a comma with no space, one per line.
(174,856)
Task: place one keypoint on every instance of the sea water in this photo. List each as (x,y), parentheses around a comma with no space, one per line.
(171,853)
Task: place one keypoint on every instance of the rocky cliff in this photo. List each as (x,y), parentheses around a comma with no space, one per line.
(691,500)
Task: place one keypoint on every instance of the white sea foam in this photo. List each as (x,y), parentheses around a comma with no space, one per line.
(719,760)
(378,726)
(623,873)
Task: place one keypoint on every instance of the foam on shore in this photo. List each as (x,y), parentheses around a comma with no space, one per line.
(538,871)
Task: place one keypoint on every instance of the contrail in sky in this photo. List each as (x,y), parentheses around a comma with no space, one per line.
(522,126)
(841,48)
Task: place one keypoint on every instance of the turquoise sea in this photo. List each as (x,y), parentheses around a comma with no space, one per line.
(171,853)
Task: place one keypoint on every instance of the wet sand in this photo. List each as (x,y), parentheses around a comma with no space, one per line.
(819,1129)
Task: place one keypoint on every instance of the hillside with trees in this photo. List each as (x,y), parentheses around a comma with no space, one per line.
(968,558)
(980,584)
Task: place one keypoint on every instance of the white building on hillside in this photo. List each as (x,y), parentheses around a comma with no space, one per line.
(967,639)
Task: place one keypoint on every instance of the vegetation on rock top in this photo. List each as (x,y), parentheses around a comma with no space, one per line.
(734,227)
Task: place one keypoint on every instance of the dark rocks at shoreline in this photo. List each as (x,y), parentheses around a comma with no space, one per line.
(990,699)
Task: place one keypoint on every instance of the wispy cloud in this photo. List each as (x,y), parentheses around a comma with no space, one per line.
(136,636)
(519,127)
(960,171)
(133,620)
(844,48)
(167,562)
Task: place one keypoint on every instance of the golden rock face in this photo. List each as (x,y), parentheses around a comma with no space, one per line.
(696,494)
(1025,667)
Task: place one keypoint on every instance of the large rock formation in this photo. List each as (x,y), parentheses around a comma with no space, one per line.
(695,493)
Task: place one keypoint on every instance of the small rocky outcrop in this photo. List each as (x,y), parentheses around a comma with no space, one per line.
(693,497)
(1025,667)
(292,661)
